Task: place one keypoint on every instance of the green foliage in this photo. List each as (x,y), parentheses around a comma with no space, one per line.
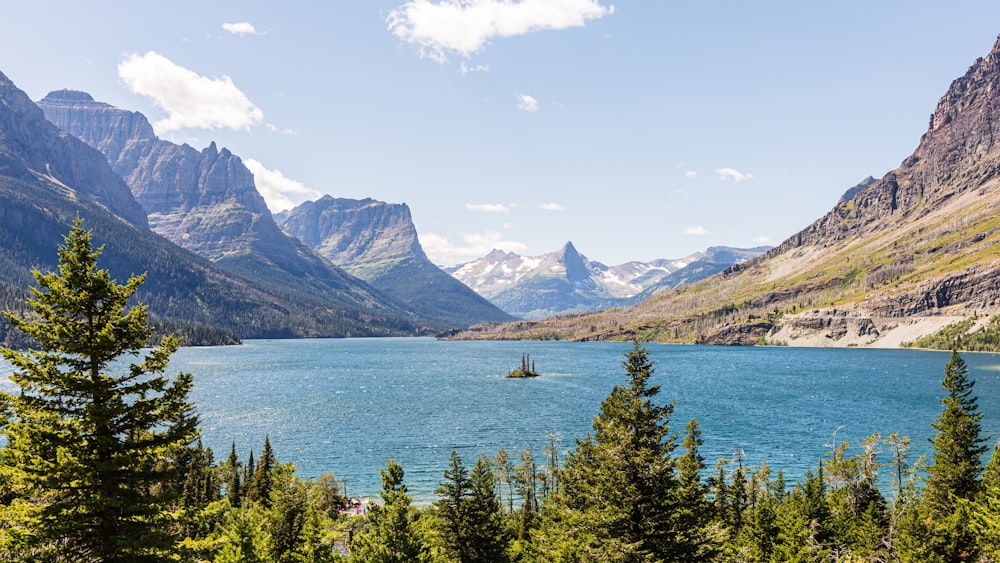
(956,336)
(618,491)
(86,439)
(958,444)
(468,514)
(392,535)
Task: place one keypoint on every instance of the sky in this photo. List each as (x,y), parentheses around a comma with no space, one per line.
(637,130)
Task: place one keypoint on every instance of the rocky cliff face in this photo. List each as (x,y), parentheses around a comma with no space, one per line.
(362,236)
(957,153)
(47,152)
(48,178)
(377,242)
(206,201)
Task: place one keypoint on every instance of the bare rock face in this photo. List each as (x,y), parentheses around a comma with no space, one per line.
(62,159)
(359,235)
(377,242)
(205,201)
(959,152)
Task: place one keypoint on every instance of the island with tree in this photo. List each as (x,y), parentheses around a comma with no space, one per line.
(527,368)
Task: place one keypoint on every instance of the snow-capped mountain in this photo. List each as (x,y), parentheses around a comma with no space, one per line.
(565,281)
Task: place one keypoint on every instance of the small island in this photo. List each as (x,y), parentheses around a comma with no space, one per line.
(527,368)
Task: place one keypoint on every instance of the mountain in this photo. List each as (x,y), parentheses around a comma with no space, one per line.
(48,178)
(899,258)
(535,287)
(206,201)
(377,242)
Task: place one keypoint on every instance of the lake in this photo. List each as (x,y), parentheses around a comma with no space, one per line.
(347,406)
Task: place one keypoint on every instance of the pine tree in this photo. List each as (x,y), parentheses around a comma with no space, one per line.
(693,508)
(234,488)
(945,532)
(470,518)
(84,434)
(452,506)
(958,445)
(259,491)
(392,535)
(488,539)
(617,493)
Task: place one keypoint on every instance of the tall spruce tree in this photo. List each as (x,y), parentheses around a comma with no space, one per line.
(452,506)
(958,443)
(93,415)
(617,493)
(470,518)
(953,477)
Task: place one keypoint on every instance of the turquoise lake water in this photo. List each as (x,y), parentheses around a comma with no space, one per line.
(347,406)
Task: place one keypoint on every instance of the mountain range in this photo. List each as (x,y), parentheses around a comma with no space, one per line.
(535,287)
(206,201)
(48,178)
(912,254)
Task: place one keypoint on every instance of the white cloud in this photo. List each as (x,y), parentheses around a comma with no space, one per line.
(508,225)
(526,102)
(190,100)
(488,207)
(698,231)
(733,175)
(465,26)
(552,207)
(279,192)
(762,240)
(465,69)
(241,28)
(476,245)
(691,173)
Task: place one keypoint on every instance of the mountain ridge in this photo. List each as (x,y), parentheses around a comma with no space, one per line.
(895,260)
(564,281)
(48,178)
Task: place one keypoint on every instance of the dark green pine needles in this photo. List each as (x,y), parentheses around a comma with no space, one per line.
(91,419)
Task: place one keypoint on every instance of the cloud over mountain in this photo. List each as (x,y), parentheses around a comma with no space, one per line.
(190,100)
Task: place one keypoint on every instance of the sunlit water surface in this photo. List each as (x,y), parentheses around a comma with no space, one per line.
(347,406)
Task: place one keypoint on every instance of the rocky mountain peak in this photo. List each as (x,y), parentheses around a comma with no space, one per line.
(355,233)
(34,148)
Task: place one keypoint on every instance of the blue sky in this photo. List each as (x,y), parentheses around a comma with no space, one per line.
(636,130)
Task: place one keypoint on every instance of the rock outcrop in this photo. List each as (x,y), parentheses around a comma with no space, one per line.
(43,150)
(377,242)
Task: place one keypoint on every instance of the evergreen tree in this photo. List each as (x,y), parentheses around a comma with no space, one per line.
(231,475)
(617,497)
(985,511)
(84,435)
(259,490)
(470,519)
(488,539)
(452,505)
(392,535)
(693,508)
(958,445)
